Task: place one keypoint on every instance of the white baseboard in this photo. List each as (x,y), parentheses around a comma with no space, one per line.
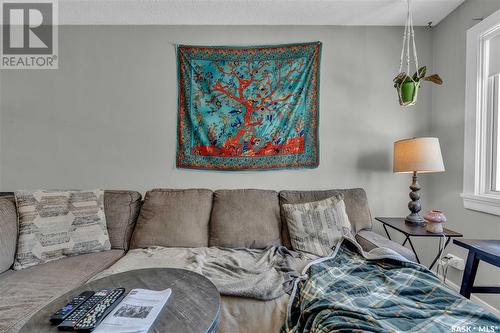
(476,300)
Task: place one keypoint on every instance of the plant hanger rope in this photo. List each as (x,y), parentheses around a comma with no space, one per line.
(408,34)
(407,85)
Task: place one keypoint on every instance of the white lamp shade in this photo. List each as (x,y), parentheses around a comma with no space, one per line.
(418,154)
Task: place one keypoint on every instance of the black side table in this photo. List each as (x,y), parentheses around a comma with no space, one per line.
(411,230)
(479,249)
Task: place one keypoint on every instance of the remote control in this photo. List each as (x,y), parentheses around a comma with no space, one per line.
(70,321)
(66,310)
(92,318)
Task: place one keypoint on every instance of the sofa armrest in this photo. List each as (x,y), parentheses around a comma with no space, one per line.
(8,232)
(370,240)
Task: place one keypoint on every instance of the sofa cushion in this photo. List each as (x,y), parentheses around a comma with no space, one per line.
(316,227)
(25,292)
(370,240)
(243,315)
(174,218)
(245,218)
(56,224)
(8,232)
(355,201)
(122,209)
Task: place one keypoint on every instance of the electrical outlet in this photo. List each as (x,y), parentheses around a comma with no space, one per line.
(453,261)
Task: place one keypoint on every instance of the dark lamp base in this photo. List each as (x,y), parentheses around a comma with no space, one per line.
(415,219)
(414,205)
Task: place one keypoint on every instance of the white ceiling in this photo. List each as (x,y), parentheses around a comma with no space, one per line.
(252,12)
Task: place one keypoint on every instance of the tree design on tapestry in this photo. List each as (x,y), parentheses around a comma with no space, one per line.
(247,103)
(247,98)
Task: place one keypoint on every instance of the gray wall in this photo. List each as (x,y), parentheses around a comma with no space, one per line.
(447,122)
(107,117)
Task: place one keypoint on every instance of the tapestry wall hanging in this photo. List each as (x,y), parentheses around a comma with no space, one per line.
(248,107)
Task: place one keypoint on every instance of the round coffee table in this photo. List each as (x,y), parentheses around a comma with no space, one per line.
(193,307)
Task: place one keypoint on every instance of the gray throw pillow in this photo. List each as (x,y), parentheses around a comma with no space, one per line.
(316,227)
(57,224)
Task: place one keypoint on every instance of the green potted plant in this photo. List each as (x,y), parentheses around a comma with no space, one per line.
(407,86)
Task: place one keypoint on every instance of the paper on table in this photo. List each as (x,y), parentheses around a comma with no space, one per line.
(136,312)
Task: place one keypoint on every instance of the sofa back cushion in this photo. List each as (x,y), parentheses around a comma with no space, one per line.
(355,200)
(245,218)
(122,209)
(8,232)
(174,218)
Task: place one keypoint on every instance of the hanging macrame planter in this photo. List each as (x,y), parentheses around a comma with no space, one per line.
(408,85)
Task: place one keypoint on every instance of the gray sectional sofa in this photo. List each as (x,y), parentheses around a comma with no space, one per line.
(173,218)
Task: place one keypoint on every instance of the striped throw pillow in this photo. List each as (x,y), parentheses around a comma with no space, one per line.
(57,224)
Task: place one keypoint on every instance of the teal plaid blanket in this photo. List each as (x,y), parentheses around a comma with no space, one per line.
(348,293)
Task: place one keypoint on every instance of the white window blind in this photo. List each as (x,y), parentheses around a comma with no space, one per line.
(494,56)
(495,101)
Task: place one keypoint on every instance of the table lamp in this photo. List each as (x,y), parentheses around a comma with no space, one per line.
(417,155)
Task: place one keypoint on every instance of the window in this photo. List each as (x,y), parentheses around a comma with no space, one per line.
(482,117)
